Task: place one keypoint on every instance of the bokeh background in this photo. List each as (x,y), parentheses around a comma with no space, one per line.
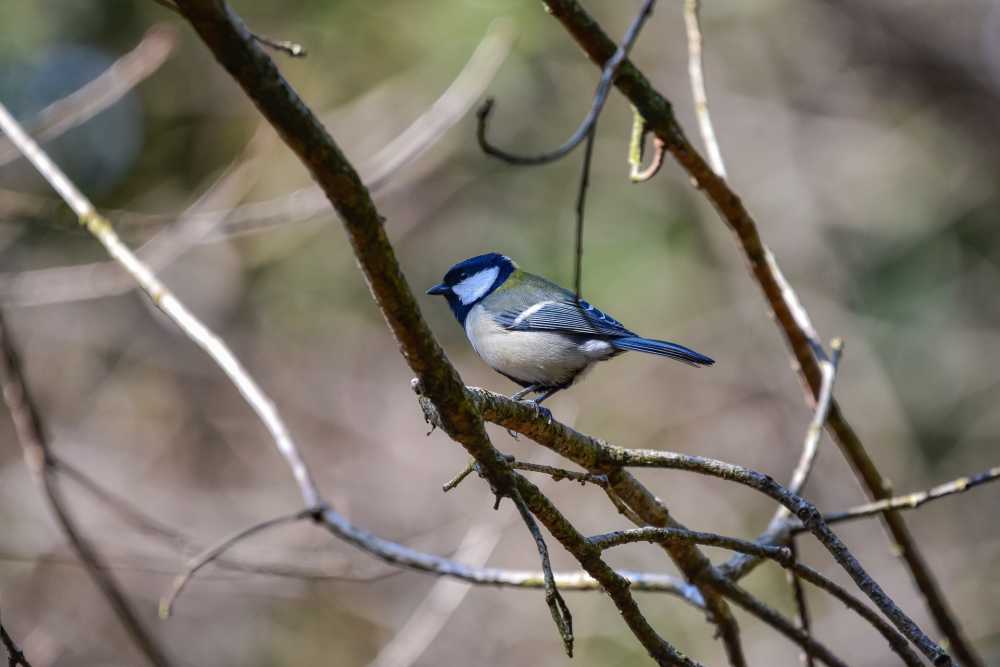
(862,136)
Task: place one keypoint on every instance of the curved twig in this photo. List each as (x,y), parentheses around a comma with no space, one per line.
(586,128)
(213,552)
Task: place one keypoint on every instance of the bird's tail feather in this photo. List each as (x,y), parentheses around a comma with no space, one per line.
(661,348)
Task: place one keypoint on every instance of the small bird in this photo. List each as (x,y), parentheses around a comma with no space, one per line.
(535,332)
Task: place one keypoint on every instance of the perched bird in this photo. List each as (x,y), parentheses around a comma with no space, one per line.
(535,332)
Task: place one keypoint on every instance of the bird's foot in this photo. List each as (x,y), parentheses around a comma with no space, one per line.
(542,411)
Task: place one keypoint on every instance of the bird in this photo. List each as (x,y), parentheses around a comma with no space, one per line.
(536,333)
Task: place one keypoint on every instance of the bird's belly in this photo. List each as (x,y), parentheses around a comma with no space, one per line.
(531,357)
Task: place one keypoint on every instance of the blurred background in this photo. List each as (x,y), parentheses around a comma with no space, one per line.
(862,136)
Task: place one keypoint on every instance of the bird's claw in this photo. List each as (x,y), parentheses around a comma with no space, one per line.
(543,412)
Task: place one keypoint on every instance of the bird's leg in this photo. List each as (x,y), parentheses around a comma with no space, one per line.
(545,412)
(546,394)
(517,396)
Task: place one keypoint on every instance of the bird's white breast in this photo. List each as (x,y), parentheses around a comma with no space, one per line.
(542,357)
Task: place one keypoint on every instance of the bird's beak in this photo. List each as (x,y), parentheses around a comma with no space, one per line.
(440,288)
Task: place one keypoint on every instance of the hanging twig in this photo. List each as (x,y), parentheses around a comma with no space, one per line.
(557,606)
(801,603)
(589,122)
(581,205)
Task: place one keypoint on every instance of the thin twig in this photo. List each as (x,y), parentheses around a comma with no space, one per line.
(557,606)
(283,46)
(777,530)
(801,603)
(623,507)
(31,435)
(657,535)
(587,126)
(216,550)
(101,92)
(911,500)
(581,205)
(809,516)
(149,525)
(692,23)
(457,479)
(560,473)
(15,656)
(167,303)
(751,604)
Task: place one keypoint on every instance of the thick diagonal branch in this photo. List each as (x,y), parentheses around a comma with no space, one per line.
(234,47)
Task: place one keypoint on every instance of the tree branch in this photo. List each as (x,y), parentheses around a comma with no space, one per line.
(235,49)
(781,555)
(658,113)
(801,603)
(911,500)
(595,454)
(165,300)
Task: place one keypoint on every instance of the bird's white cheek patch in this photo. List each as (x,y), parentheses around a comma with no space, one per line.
(476,286)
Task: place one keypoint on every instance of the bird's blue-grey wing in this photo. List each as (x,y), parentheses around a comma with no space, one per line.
(565,315)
